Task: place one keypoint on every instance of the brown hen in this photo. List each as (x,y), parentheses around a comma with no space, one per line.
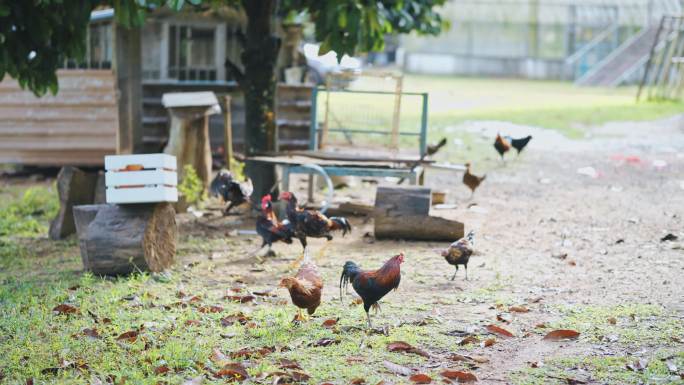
(471,180)
(305,289)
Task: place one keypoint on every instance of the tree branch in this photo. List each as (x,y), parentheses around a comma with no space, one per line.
(235,71)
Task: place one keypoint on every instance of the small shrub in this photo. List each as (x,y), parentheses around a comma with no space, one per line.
(191,187)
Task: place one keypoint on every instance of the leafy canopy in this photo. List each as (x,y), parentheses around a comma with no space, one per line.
(37,35)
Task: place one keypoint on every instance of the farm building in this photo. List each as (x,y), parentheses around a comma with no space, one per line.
(593,42)
(111,102)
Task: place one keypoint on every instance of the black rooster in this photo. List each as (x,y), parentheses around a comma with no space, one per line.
(371,286)
(230,190)
(520,143)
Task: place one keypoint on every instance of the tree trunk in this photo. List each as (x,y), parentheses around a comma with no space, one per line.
(121,239)
(258,84)
(75,187)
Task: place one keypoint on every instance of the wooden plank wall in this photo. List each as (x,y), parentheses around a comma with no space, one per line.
(78,126)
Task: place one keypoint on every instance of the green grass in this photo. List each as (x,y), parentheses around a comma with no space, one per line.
(553,105)
(635,324)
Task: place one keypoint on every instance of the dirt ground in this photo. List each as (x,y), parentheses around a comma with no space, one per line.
(547,237)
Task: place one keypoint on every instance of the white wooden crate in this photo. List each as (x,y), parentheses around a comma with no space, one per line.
(141,178)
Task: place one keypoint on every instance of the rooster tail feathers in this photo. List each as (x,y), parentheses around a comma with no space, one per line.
(341,223)
(349,272)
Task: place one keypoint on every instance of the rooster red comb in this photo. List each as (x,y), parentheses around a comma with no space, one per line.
(285,195)
(266,198)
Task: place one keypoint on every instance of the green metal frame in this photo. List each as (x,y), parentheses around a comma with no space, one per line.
(314,129)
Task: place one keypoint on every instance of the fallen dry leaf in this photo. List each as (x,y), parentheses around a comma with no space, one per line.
(288,364)
(92,333)
(488,342)
(357,301)
(241,318)
(518,309)
(638,365)
(355,359)
(562,334)
(357,381)
(469,340)
(324,342)
(210,309)
(298,376)
(612,320)
(329,323)
(247,352)
(240,298)
(401,346)
(499,331)
(480,359)
(234,371)
(192,322)
(129,336)
(397,369)
(536,364)
(163,369)
(540,325)
(421,378)
(65,309)
(459,375)
(217,356)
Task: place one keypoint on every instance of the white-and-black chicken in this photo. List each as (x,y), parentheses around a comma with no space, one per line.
(230,190)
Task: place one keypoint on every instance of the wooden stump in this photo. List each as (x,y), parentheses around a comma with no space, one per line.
(395,201)
(189,141)
(75,187)
(417,227)
(403,213)
(120,239)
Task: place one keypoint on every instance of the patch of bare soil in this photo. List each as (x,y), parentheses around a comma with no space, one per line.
(547,238)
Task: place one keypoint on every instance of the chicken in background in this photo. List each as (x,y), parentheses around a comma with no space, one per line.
(371,286)
(501,145)
(269,228)
(230,190)
(459,252)
(432,149)
(520,143)
(305,289)
(471,180)
(311,223)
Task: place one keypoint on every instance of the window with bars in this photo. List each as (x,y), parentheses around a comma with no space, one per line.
(192,55)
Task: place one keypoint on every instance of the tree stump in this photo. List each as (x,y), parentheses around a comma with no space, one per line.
(396,201)
(189,131)
(403,213)
(75,187)
(418,228)
(121,239)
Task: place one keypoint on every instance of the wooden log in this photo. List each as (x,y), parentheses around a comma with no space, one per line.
(395,201)
(83,215)
(75,187)
(418,227)
(121,239)
(100,195)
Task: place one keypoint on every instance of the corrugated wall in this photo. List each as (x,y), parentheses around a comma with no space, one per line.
(78,126)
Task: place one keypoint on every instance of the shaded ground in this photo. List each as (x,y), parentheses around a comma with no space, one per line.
(578,252)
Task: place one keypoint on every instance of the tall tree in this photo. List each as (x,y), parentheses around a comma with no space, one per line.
(36,35)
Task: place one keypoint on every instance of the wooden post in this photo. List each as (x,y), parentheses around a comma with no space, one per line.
(128,68)
(228,133)
(397,112)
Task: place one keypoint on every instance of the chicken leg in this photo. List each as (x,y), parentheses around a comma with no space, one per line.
(455,272)
(466,269)
(370,326)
